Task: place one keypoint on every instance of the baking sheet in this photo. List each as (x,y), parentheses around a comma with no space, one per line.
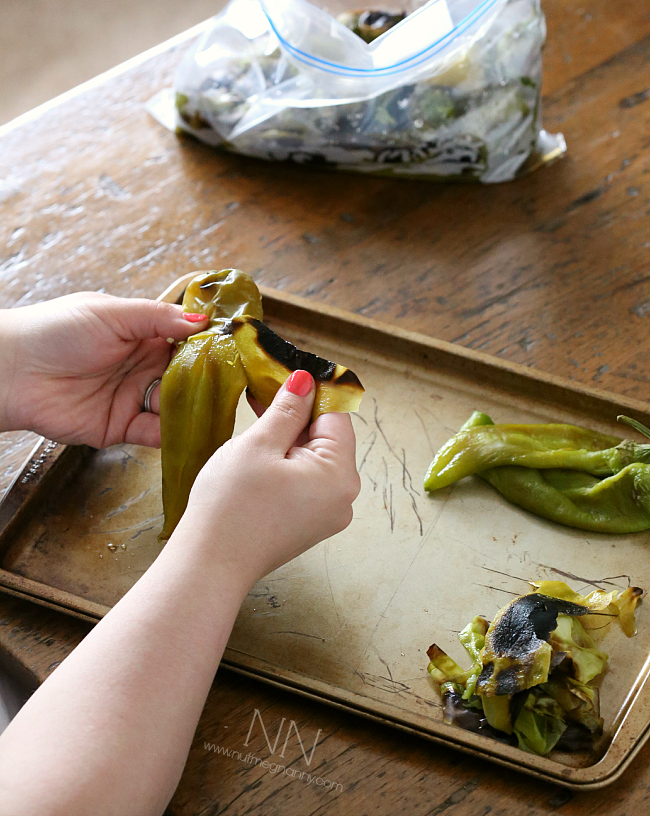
(349,622)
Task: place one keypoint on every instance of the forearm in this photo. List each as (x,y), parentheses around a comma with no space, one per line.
(109,731)
(8,358)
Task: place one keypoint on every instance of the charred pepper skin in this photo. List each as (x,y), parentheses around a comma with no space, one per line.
(268,360)
(532,669)
(203,383)
(517,654)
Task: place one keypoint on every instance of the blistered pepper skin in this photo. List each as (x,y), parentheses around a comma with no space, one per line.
(203,383)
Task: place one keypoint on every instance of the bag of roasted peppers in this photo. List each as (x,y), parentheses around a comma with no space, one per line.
(448,90)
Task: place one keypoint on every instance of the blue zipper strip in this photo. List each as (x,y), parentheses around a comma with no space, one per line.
(406,64)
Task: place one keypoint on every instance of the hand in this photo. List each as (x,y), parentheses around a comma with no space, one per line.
(263,498)
(75,369)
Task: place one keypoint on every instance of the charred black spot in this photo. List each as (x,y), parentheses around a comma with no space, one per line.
(508,680)
(348,377)
(529,619)
(488,671)
(518,634)
(290,356)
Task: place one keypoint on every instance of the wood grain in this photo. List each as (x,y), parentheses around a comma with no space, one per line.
(550,271)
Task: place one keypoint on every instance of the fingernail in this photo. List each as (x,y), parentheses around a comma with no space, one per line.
(300,383)
(194,318)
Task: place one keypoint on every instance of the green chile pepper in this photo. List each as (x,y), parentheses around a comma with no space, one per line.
(617,504)
(479,447)
(203,383)
(202,386)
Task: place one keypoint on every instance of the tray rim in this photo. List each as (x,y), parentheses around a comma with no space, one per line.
(465,362)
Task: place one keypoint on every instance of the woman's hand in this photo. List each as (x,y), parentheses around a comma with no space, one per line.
(75,369)
(110,730)
(268,495)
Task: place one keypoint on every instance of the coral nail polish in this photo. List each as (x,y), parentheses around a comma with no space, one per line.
(300,383)
(194,318)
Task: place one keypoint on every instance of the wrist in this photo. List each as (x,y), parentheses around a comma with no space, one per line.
(202,546)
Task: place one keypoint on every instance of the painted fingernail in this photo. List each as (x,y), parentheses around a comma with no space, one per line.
(194,318)
(299,383)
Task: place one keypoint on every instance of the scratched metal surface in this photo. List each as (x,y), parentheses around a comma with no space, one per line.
(354,616)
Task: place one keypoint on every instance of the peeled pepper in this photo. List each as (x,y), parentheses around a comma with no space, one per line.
(203,383)
(619,503)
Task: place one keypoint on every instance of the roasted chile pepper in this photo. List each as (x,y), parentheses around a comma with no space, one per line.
(619,503)
(202,385)
(480,447)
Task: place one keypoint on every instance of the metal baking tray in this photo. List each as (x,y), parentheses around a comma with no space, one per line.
(349,621)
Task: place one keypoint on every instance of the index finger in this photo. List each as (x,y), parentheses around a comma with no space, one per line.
(337,428)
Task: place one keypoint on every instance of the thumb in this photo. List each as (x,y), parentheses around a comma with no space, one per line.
(288,414)
(139,319)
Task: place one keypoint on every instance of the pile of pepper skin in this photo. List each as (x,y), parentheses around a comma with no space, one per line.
(570,475)
(532,679)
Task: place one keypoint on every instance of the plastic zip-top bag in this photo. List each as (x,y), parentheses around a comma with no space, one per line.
(448,90)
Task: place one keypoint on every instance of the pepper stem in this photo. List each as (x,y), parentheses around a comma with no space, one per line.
(634,423)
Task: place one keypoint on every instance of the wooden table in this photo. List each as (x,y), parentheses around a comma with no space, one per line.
(550,271)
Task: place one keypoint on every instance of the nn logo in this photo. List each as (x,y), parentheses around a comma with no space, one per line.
(274,747)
